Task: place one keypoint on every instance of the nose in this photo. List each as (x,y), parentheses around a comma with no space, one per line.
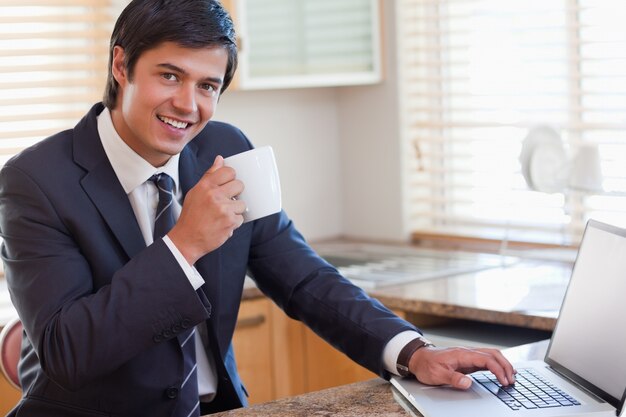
(185,99)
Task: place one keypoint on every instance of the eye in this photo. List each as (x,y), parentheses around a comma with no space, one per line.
(169,76)
(208,89)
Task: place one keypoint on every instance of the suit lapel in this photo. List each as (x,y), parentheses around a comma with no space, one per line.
(102,186)
(114,206)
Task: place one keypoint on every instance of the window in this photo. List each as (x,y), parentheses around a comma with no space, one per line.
(53,61)
(477,76)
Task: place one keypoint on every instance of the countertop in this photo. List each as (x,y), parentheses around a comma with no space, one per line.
(372,398)
(527,294)
(362,399)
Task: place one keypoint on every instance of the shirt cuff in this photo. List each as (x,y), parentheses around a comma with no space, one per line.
(194,277)
(393,348)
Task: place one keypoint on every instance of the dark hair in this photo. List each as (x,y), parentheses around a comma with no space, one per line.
(145,24)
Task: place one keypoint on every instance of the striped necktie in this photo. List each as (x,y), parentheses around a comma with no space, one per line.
(188,399)
(164,219)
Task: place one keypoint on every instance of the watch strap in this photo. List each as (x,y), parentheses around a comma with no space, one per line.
(402,364)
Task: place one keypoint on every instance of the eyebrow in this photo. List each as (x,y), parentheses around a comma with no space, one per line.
(179,70)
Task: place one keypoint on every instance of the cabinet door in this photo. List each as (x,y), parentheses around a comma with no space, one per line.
(327,367)
(9,396)
(307,43)
(279,357)
(252,343)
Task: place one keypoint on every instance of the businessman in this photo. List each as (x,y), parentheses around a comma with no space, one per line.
(125,251)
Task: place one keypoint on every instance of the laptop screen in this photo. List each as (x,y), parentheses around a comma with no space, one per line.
(589,340)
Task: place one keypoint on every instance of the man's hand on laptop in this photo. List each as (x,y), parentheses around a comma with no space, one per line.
(439,366)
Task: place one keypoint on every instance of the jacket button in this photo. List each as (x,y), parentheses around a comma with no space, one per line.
(171,392)
(167,333)
(186,323)
(157,338)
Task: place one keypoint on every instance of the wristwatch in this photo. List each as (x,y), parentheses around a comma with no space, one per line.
(402,364)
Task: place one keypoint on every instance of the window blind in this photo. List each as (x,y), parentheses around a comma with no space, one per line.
(53,62)
(476,76)
(288,43)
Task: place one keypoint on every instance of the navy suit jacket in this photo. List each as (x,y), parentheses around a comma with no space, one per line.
(101,311)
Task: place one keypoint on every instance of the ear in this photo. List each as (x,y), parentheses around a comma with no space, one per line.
(118,67)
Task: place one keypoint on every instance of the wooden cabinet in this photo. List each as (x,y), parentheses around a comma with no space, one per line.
(253,349)
(307,43)
(269,351)
(327,367)
(279,357)
(9,396)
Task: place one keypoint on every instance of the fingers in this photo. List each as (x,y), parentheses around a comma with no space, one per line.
(210,214)
(447,366)
(459,380)
(491,359)
(504,367)
(217,164)
(227,187)
(239,207)
(224,177)
(219,175)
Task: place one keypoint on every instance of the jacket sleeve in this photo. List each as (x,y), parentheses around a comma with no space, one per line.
(79,330)
(309,289)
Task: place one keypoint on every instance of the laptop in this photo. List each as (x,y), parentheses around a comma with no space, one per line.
(584,370)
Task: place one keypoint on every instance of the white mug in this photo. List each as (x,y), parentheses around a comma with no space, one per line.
(257,170)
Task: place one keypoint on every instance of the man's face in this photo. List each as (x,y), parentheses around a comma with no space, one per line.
(171,97)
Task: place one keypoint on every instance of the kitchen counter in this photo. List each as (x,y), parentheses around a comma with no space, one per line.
(372,398)
(362,399)
(526,294)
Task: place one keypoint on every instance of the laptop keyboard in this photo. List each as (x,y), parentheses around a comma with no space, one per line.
(530,390)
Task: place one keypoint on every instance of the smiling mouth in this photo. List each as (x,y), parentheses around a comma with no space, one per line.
(172,122)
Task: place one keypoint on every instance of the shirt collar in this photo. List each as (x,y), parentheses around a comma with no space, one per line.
(131,169)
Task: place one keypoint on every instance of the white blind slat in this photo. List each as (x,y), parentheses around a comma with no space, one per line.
(53,61)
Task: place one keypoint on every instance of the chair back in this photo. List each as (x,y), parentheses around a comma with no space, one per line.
(10,346)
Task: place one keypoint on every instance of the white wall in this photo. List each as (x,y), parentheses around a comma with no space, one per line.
(338,150)
(371,147)
(302,127)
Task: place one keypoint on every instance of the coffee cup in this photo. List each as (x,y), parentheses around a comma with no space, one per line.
(257,170)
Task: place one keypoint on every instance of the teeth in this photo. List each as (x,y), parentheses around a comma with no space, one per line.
(172,122)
